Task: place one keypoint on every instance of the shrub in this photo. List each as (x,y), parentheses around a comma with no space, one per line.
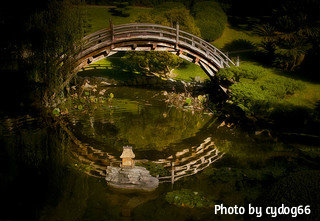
(151,62)
(169,14)
(280,87)
(250,97)
(210,18)
(256,90)
(234,74)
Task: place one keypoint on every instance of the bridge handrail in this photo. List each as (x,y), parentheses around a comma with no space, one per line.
(173,33)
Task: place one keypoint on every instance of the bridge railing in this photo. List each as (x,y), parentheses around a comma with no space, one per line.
(155,32)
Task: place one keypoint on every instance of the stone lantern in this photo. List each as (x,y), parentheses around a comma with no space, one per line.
(127,157)
(129,176)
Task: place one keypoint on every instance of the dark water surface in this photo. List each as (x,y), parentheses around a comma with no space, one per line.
(41,179)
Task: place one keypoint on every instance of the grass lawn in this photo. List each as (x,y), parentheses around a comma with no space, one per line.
(307,97)
(189,71)
(231,34)
(98,17)
(109,68)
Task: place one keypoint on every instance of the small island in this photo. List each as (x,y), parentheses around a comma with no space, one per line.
(130,177)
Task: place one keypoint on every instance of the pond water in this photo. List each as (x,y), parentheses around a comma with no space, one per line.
(46,175)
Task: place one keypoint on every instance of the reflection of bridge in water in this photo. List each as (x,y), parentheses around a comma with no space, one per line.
(184,163)
(190,161)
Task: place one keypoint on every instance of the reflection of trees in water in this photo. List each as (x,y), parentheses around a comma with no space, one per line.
(154,131)
(147,130)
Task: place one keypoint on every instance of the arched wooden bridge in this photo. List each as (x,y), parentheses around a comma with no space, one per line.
(151,37)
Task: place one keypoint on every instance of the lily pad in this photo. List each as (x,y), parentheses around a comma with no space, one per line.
(188,101)
(56,111)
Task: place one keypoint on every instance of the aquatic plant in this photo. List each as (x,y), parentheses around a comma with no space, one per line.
(56,111)
(186,101)
(86,98)
(188,198)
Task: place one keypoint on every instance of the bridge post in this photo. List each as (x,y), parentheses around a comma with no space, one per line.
(177,35)
(111,29)
(238,61)
(172,172)
(221,63)
(227,53)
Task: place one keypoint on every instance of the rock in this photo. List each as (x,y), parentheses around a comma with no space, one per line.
(222,124)
(102,91)
(87,86)
(105,83)
(136,178)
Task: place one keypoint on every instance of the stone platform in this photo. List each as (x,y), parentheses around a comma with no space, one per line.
(136,178)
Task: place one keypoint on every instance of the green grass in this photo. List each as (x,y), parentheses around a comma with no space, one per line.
(305,96)
(108,68)
(189,71)
(231,34)
(98,17)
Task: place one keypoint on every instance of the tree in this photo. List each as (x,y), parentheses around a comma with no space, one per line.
(210,18)
(53,33)
(291,32)
(169,14)
(152,62)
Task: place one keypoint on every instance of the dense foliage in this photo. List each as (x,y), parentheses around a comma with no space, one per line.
(210,18)
(255,90)
(54,32)
(41,41)
(291,33)
(169,14)
(151,62)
